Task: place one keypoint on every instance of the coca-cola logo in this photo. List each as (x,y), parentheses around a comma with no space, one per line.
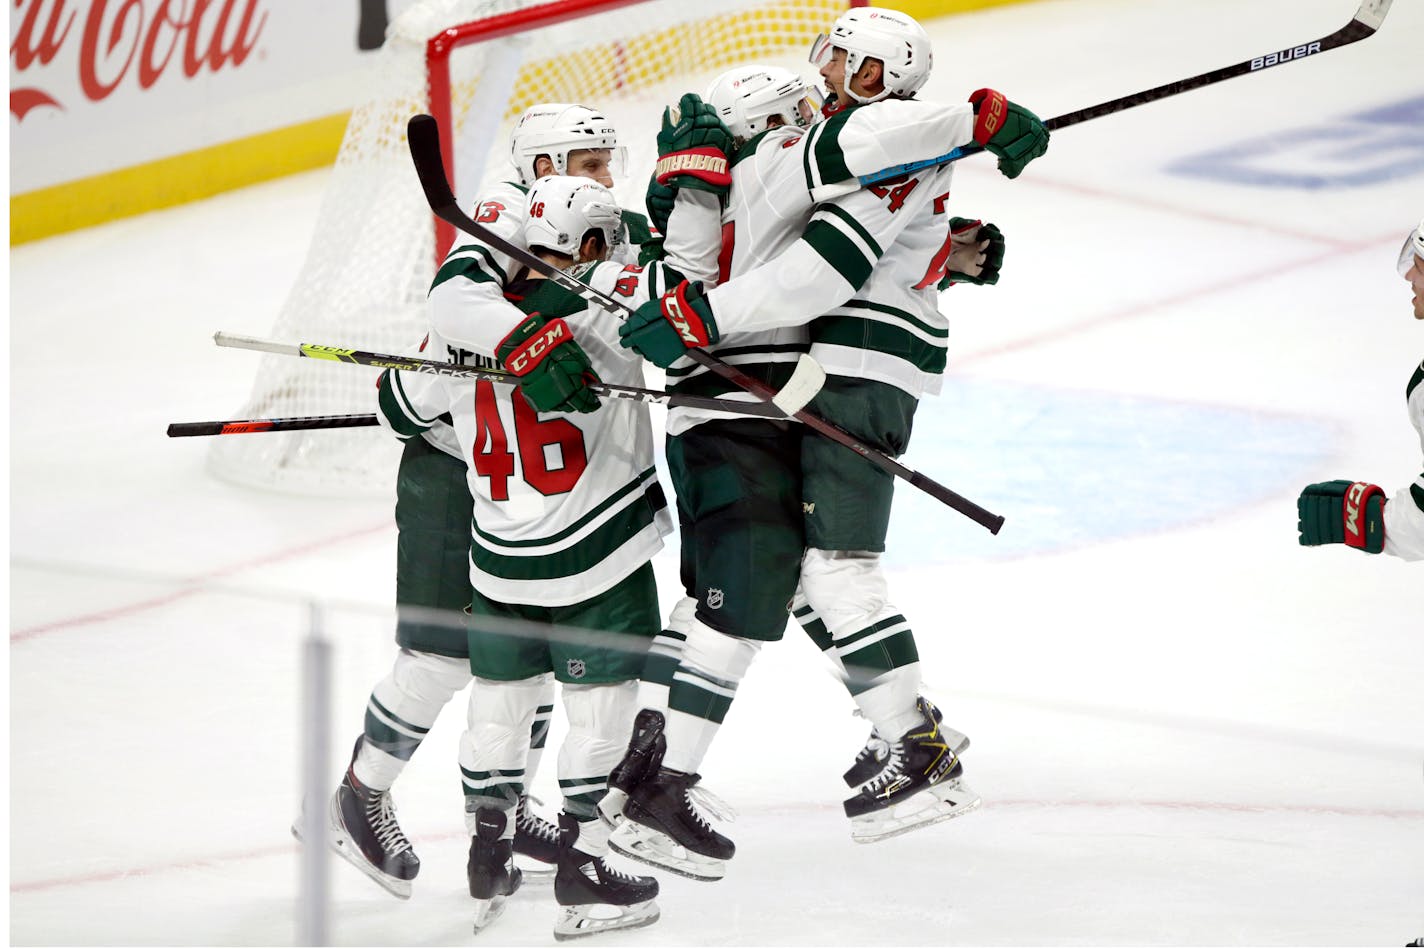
(119,38)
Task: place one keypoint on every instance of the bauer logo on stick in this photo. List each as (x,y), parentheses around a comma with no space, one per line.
(1284,56)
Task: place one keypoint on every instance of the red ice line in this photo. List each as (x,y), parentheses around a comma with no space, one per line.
(1226,806)
(195,585)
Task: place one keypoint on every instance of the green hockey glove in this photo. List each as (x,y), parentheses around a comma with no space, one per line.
(1012,133)
(1342,512)
(976,255)
(693,146)
(660,199)
(663,330)
(554,372)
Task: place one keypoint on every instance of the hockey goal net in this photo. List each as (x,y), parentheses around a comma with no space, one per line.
(475,65)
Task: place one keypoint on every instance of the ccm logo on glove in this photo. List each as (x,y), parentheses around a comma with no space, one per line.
(533,350)
(1356,497)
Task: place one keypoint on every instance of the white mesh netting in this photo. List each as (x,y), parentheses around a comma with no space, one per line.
(372,255)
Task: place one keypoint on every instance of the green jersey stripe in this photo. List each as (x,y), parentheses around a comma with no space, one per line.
(838,250)
(830,158)
(904,316)
(1417,493)
(856,333)
(578,525)
(395,413)
(856,226)
(1414,381)
(588,553)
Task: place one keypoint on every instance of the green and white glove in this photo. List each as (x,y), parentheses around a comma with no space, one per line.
(976,253)
(554,372)
(1010,132)
(1342,512)
(663,330)
(693,151)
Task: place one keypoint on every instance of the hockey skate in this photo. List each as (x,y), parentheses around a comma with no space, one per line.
(642,760)
(592,896)
(872,758)
(666,829)
(536,841)
(362,827)
(921,784)
(491,871)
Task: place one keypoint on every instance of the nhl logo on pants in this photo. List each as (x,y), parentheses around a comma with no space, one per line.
(714,598)
(576,669)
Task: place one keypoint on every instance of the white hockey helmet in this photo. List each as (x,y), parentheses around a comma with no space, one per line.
(557,128)
(562,209)
(1413,247)
(748,96)
(890,36)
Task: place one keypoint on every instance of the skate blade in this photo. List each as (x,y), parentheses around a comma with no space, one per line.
(487,911)
(657,849)
(340,844)
(535,871)
(934,805)
(575,922)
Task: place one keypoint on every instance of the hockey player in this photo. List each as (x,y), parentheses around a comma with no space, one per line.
(1359,514)
(433,512)
(869,265)
(568,513)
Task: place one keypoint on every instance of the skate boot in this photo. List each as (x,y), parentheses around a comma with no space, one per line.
(491,871)
(872,758)
(667,829)
(363,830)
(642,760)
(536,841)
(920,785)
(592,896)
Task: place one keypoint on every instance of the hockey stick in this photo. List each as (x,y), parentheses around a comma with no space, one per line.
(1366,21)
(246,426)
(411,364)
(424,138)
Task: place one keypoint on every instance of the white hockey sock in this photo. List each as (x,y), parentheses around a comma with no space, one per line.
(889,704)
(713,663)
(664,653)
(495,746)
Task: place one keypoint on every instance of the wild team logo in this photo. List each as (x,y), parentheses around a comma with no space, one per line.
(577,669)
(714,598)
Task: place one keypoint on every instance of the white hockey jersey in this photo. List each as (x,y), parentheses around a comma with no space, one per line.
(786,268)
(566,505)
(1404,514)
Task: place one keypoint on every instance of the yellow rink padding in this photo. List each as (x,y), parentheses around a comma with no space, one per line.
(175,180)
(641,61)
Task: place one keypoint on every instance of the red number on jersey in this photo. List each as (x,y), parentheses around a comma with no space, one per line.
(492,457)
(939,264)
(627,284)
(535,437)
(489,212)
(897,194)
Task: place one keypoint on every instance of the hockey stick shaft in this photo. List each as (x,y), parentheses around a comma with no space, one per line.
(1366,21)
(251,425)
(411,364)
(423,134)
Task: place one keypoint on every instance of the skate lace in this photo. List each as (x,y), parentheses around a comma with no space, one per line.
(381,815)
(534,825)
(699,799)
(894,768)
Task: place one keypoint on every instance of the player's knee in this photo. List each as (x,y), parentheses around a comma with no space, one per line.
(845,587)
(428,679)
(600,718)
(718,654)
(501,713)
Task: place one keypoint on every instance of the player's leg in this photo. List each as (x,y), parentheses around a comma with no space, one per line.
(847,518)
(510,660)
(739,484)
(599,672)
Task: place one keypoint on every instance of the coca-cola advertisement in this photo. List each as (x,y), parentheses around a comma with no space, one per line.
(99,85)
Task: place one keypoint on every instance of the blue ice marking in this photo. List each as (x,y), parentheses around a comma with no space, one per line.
(1365,148)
